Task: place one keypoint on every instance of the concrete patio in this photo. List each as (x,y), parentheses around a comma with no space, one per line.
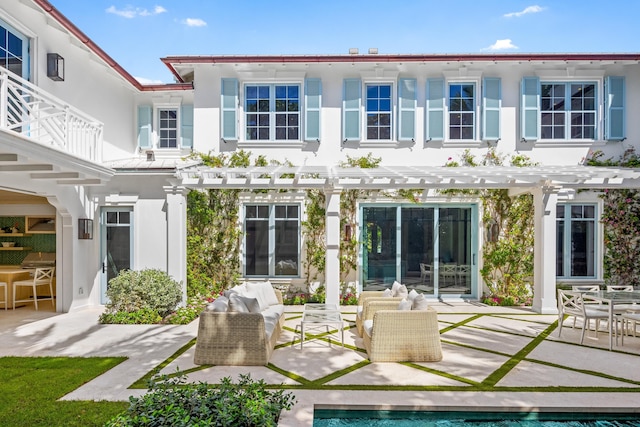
(494,357)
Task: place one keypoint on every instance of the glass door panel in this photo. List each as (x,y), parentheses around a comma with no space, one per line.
(379,248)
(116,245)
(417,254)
(454,251)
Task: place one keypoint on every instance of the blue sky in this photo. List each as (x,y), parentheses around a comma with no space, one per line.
(136,33)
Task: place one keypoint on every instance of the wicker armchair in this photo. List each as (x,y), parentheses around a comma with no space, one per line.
(365,311)
(232,338)
(403,336)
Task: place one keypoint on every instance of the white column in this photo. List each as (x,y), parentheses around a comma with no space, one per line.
(332,262)
(545,200)
(177,236)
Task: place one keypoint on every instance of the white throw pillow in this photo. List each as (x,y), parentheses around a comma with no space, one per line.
(419,303)
(387,293)
(405,304)
(221,304)
(394,288)
(270,293)
(257,291)
(402,292)
(412,295)
(236,304)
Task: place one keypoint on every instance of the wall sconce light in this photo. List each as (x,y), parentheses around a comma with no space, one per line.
(55,67)
(347,232)
(492,231)
(85,229)
(150,156)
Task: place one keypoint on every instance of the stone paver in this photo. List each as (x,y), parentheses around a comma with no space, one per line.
(472,353)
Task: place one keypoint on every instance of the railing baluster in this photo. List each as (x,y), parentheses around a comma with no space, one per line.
(27,109)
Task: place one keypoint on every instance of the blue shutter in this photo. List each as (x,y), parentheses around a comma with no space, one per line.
(491,106)
(407,109)
(530,108)
(615,104)
(435,109)
(229,104)
(312,109)
(186,126)
(351,101)
(144,126)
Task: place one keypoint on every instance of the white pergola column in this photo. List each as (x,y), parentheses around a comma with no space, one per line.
(177,236)
(545,200)
(332,261)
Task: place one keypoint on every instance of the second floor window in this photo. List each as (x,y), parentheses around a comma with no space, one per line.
(378,107)
(167,128)
(272,112)
(462,111)
(568,110)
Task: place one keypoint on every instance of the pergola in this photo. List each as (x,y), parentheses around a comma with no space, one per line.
(543,182)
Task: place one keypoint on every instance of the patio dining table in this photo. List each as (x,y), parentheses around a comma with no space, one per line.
(612,299)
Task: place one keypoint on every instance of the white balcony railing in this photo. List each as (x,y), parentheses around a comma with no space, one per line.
(40,116)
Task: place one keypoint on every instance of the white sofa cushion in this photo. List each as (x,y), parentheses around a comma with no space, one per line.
(242,304)
(367,326)
(412,295)
(271,319)
(263,292)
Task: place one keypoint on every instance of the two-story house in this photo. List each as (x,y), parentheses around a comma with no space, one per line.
(103,155)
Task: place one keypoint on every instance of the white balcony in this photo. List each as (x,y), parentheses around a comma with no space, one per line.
(47,120)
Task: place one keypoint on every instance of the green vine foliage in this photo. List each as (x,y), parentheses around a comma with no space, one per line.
(314,234)
(348,215)
(508,257)
(621,223)
(213,235)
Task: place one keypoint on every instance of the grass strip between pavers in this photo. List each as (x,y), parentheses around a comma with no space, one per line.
(144,380)
(489,384)
(501,372)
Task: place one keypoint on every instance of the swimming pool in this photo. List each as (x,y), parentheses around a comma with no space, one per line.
(359,418)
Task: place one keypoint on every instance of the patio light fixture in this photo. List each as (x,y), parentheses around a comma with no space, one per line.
(55,67)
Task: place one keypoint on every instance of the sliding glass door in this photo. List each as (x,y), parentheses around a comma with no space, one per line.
(429,248)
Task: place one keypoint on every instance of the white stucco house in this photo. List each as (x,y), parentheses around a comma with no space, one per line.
(87,148)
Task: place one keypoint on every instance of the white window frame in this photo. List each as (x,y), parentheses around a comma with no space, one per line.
(26,38)
(272,238)
(392,112)
(567,250)
(477,101)
(599,99)
(157,109)
(272,112)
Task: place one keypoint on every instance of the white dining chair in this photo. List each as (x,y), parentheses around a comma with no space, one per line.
(629,318)
(5,300)
(579,304)
(41,277)
(619,288)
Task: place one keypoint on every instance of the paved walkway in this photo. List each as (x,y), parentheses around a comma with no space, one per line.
(505,358)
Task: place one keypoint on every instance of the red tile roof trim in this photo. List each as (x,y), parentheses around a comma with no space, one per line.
(58,16)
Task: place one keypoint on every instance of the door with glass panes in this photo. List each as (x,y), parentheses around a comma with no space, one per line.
(431,248)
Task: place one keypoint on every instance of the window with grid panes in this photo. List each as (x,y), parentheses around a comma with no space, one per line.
(568,110)
(272,112)
(462,111)
(378,106)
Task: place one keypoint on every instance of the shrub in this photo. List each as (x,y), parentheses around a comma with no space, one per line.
(173,402)
(144,316)
(185,315)
(146,290)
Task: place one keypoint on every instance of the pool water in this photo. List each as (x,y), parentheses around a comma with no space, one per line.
(356,418)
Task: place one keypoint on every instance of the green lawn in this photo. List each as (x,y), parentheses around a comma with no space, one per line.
(31,386)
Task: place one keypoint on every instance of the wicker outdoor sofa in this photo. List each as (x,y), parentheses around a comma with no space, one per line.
(227,336)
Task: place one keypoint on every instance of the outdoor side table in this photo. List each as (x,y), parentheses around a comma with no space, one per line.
(318,316)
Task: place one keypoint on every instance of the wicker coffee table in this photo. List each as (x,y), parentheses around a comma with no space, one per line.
(321,316)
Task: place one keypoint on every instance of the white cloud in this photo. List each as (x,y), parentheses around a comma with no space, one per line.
(146,81)
(194,22)
(131,12)
(525,11)
(504,44)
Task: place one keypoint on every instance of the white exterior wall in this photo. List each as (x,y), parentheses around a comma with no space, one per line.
(331,150)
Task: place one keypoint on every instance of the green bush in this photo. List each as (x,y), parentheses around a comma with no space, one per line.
(142,292)
(187,314)
(144,316)
(173,402)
